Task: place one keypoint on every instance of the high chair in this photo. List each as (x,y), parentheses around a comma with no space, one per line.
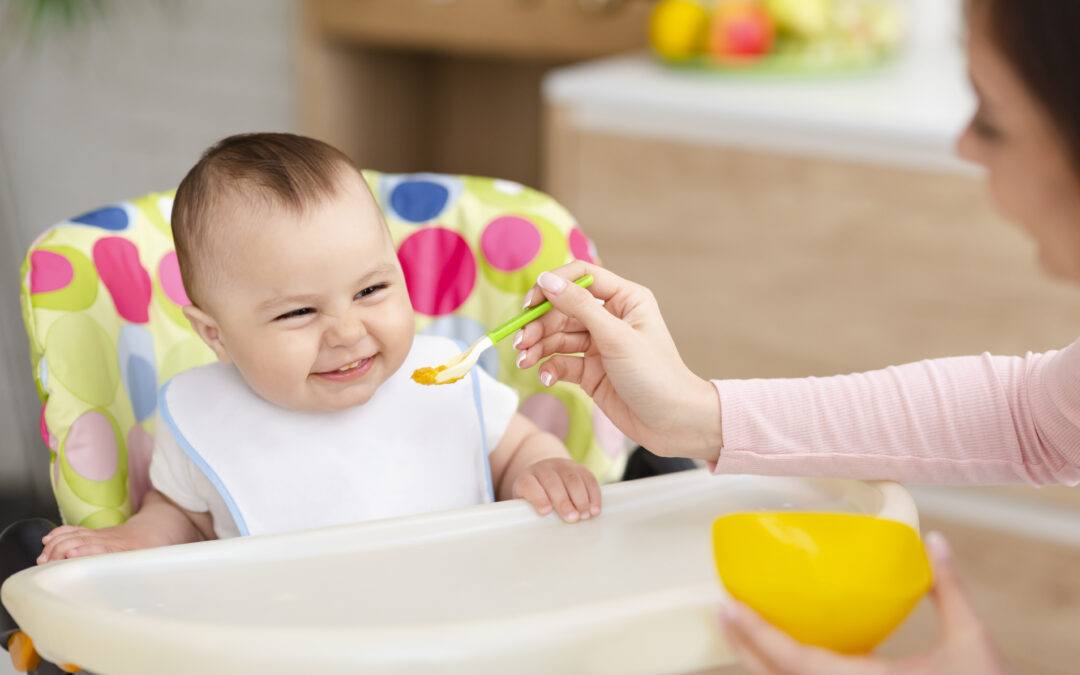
(498,588)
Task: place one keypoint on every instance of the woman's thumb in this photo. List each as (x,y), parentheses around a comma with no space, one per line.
(955,610)
(578,303)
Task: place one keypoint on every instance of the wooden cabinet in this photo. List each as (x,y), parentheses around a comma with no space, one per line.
(447,85)
(770,261)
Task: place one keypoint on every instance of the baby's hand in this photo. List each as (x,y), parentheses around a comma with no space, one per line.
(69,541)
(562,483)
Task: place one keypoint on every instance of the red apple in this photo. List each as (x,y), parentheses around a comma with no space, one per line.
(741,30)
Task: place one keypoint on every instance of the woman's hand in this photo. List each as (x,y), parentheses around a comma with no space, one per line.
(629,366)
(964,645)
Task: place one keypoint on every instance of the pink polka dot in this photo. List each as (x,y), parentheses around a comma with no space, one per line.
(440,270)
(49,271)
(607,435)
(44,428)
(90,447)
(548,413)
(580,246)
(140,446)
(117,262)
(510,243)
(171,283)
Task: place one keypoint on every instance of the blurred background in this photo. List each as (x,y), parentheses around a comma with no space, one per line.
(790,195)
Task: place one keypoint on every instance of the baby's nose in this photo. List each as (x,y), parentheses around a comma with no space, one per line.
(345,331)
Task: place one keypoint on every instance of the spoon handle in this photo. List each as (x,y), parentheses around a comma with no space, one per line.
(530,314)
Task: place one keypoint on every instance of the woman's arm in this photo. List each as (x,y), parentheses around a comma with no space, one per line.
(973,420)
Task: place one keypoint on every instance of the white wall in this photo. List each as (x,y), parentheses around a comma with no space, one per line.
(120,107)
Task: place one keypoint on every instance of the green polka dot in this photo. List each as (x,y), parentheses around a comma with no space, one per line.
(502,193)
(83,358)
(184,355)
(554,250)
(108,493)
(80,293)
(150,207)
(102,518)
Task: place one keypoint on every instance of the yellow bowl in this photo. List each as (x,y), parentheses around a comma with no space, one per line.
(837,580)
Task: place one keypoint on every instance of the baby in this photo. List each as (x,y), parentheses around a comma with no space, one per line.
(310,418)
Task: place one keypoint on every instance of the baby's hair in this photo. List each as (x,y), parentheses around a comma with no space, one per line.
(248,170)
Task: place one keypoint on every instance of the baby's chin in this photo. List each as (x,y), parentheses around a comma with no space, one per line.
(317,402)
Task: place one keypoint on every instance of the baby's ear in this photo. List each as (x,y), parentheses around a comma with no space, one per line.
(208,330)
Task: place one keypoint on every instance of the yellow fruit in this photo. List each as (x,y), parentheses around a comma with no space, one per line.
(677,28)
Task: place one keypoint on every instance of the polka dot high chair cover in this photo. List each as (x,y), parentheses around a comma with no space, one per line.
(101,299)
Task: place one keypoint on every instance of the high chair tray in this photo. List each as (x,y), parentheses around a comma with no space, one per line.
(487,589)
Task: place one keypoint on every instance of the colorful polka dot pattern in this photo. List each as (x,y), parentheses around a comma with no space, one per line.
(102,299)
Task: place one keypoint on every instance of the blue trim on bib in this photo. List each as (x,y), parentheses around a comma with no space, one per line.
(483,434)
(478,402)
(195,457)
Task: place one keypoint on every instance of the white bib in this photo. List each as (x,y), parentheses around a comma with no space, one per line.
(410,449)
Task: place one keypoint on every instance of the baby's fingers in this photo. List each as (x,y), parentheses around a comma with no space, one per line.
(528,488)
(557,492)
(578,491)
(60,546)
(593,488)
(63,529)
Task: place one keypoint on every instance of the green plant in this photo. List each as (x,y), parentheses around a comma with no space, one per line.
(31,20)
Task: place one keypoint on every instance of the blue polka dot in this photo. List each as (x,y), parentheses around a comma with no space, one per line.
(43,374)
(419,201)
(141,385)
(466,331)
(418,198)
(108,218)
(136,355)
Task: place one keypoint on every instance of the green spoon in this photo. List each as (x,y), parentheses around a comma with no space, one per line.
(457,367)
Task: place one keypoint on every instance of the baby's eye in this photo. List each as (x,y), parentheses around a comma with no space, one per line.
(296,312)
(370,289)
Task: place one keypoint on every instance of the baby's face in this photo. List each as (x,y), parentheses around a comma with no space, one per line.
(312,309)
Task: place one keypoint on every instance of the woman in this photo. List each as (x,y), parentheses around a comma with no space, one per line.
(978,419)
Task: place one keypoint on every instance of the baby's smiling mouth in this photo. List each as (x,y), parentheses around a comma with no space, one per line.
(348,368)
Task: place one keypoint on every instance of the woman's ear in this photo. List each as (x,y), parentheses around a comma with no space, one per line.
(208,330)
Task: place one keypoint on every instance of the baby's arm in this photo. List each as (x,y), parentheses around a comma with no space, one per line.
(533,465)
(159,522)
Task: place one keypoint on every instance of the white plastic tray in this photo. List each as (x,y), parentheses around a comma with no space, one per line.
(488,589)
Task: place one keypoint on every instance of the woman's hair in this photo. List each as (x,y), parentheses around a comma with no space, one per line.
(1041,38)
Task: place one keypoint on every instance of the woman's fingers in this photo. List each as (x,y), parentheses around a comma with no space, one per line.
(560,343)
(563,368)
(605,283)
(954,608)
(580,304)
(773,651)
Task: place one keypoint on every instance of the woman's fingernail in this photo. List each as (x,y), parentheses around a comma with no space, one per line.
(546,378)
(520,358)
(937,546)
(518,337)
(552,283)
(528,300)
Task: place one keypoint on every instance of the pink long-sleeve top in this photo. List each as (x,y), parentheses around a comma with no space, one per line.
(966,420)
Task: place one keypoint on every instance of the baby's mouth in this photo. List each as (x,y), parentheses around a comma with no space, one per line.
(348,369)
